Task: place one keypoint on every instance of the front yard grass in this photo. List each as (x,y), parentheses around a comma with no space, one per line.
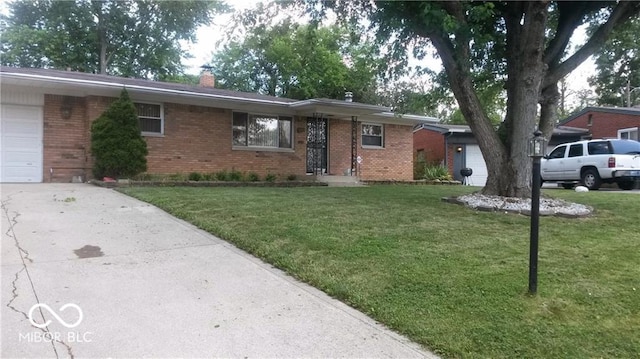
(450,278)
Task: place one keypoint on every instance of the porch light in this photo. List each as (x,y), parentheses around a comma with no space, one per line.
(537,145)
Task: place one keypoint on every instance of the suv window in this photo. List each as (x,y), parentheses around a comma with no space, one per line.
(598,148)
(575,150)
(625,147)
(558,152)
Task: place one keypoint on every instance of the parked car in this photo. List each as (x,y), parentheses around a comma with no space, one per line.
(592,163)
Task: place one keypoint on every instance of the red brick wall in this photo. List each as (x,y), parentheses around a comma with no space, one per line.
(432,143)
(340,146)
(605,124)
(198,138)
(394,161)
(65,139)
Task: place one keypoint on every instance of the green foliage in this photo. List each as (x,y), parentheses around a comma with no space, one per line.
(271,177)
(236,176)
(300,62)
(132,38)
(292,177)
(195,176)
(422,169)
(221,175)
(253,177)
(617,63)
(116,144)
(177,177)
(437,172)
(208,177)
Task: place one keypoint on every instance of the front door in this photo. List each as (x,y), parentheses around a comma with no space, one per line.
(317,141)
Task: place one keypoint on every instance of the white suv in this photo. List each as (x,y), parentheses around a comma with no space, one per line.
(592,163)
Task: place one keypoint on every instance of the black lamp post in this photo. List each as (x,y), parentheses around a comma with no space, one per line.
(536,151)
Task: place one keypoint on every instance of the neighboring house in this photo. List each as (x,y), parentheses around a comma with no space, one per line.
(607,122)
(47,115)
(455,147)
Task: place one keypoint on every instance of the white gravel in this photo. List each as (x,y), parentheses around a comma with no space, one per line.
(523,205)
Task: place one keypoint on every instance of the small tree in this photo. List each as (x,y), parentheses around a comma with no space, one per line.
(116,144)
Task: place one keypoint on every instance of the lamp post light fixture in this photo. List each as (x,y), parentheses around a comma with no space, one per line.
(536,151)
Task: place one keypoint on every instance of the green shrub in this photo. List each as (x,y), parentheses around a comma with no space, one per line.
(222,175)
(292,177)
(271,177)
(177,177)
(436,172)
(235,176)
(144,177)
(208,177)
(253,177)
(116,143)
(195,176)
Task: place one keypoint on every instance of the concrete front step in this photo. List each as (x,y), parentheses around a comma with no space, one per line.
(339,180)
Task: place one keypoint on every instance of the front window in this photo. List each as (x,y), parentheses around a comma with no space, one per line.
(372,135)
(253,130)
(150,117)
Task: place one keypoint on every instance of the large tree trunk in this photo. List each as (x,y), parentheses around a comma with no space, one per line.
(508,165)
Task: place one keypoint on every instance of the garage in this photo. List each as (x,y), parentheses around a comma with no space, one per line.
(21,129)
(475,161)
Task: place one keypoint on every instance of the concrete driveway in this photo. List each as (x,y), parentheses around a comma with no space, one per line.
(116,277)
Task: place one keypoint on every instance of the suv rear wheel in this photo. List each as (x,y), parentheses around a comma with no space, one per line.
(591,179)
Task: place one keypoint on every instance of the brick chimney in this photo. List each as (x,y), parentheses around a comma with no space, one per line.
(207,79)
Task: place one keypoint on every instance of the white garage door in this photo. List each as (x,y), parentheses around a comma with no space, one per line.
(21,143)
(475,161)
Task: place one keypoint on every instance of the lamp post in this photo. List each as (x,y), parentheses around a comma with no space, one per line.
(536,151)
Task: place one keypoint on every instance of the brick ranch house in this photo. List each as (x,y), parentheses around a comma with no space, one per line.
(47,115)
(455,147)
(607,122)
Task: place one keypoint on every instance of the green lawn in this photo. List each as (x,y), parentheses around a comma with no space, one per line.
(450,278)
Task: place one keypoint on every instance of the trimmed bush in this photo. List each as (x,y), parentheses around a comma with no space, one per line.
(235,176)
(194,176)
(221,176)
(117,146)
(292,177)
(271,177)
(253,177)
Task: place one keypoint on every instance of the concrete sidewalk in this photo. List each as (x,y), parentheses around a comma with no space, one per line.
(121,278)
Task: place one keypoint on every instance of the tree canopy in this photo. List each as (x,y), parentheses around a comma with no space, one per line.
(124,38)
(618,67)
(299,61)
(521,45)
